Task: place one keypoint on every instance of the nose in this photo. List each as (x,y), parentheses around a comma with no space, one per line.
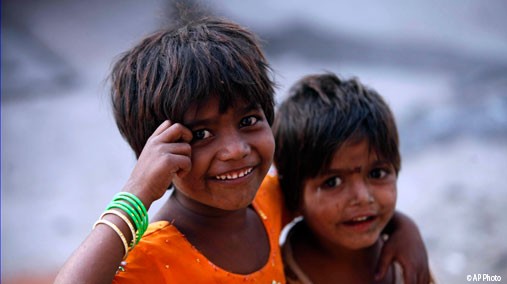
(361,193)
(233,147)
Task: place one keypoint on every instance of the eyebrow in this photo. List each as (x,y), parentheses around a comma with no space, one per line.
(248,108)
(342,171)
(193,123)
(245,108)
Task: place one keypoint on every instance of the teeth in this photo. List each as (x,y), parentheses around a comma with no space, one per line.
(360,219)
(234,175)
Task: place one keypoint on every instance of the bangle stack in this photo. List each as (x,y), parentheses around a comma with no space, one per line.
(129,204)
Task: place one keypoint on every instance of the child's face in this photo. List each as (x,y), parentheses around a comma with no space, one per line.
(231,154)
(352,201)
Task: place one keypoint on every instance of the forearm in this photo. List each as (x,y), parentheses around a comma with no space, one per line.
(405,245)
(399,220)
(97,259)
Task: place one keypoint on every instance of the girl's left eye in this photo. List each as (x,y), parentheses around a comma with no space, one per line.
(248,121)
(201,134)
(379,173)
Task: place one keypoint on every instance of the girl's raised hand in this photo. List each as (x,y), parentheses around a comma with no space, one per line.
(166,153)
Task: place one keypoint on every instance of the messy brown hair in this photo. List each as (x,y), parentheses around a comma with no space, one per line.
(319,115)
(173,68)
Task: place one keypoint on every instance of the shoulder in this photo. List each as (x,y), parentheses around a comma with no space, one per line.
(269,197)
(293,272)
(269,191)
(152,256)
(156,234)
(270,183)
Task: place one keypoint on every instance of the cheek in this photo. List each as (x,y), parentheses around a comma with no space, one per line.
(321,205)
(266,143)
(387,198)
(201,161)
(194,182)
(310,197)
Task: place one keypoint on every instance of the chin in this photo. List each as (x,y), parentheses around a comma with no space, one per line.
(359,243)
(237,204)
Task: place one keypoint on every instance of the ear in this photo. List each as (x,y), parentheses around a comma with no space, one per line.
(300,212)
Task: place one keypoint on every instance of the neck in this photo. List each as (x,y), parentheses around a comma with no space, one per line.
(225,237)
(366,257)
(186,212)
(346,263)
(337,252)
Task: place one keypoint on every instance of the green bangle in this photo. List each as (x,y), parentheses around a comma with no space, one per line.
(142,218)
(140,207)
(134,200)
(137,201)
(126,202)
(129,210)
(134,208)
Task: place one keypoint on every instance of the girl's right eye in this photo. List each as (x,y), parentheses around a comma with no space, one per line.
(249,121)
(201,134)
(332,183)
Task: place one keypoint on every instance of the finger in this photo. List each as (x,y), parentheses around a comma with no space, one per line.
(410,275)
(185,168)
(182,163)
(163,126)
(383,265)
(176,132)
(175,156)
(180,148)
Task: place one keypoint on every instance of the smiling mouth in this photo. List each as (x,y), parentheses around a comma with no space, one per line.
(359,220)
(235,175)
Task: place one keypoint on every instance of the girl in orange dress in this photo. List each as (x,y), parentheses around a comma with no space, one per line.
(195,103)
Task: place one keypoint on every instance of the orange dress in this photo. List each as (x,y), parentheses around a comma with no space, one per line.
(164,255)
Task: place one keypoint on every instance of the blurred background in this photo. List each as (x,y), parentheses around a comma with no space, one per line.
(441,65)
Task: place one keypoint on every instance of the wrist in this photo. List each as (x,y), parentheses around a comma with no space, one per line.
(144,195)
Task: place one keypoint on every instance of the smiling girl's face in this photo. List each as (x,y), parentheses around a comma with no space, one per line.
(349,203)
(231,154)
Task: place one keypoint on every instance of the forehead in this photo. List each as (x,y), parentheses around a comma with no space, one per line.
(354,153)
(213,107)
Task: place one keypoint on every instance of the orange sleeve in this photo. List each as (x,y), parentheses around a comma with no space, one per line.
(272,185)
(139,269)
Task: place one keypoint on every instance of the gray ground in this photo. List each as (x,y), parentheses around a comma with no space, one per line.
(441,65)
